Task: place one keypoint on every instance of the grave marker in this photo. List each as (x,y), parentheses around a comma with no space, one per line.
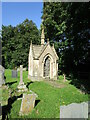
(28,103)
(74,110)
(21,86)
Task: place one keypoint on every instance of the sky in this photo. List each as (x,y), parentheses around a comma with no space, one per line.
(14,13)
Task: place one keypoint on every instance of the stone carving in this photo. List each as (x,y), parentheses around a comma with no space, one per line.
(2,80)
(28,103)
(21,86)
(43,61)
(74,110)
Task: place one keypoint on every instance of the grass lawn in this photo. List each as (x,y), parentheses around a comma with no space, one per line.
(49,98)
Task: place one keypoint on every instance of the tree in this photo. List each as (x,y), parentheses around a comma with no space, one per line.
(67,25)
(16,42)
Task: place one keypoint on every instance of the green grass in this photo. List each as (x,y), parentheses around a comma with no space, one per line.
(50,97)
(4,95)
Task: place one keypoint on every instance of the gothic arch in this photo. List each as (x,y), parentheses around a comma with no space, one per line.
(47,65)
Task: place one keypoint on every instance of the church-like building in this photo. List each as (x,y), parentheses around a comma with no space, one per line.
(42,61)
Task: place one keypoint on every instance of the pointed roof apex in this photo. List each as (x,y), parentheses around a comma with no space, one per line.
(53,45)
(48,40)
(31,42)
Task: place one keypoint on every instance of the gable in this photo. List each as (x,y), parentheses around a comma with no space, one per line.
(48,50)
(37,49)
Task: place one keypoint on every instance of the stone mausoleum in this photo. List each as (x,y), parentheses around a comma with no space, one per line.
(42,62)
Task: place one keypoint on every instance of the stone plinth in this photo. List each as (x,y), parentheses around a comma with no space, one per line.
(21,86)
(28,103)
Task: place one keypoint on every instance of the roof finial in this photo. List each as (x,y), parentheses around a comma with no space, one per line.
(48,40)
(42,36)
(31,42)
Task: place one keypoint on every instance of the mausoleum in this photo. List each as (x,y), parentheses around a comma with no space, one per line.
(42,61)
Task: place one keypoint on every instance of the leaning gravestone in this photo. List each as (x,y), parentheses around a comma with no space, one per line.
(2,80)
(74,110)
(28,103)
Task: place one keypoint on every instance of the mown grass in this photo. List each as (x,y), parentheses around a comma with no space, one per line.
(4,95)
(50,98)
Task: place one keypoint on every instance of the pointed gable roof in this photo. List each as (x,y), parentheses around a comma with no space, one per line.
(39,49)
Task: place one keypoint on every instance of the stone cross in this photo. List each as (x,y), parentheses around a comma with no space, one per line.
(21,86)
(21,74)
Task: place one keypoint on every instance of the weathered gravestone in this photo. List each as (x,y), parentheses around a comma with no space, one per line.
(74,110)
(28,103)
(2,80)
(21,86)
(14,73)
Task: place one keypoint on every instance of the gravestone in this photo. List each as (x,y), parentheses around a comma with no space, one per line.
(14,73)
(74,110)
(2,80)
(21,86)
(28,103)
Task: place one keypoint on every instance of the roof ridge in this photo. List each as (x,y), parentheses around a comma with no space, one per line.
(43,50)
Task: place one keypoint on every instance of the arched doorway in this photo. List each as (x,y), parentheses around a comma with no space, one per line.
(47,67)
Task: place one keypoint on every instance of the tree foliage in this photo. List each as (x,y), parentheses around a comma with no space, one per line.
(67,25)
(16,43)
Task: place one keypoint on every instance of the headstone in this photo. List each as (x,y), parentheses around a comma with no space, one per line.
(21,86)
(28,103)
(14,73)
(2,80)
(74,110)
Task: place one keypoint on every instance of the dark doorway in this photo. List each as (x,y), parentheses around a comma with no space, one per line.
(47,67)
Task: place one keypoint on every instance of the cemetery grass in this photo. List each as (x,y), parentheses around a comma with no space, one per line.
(49,98)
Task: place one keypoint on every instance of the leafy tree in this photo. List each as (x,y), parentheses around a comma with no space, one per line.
(16,42)
(67,24)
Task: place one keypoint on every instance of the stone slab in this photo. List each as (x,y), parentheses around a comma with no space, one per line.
(28,103)
(14,73)
(74,110)
(2,80)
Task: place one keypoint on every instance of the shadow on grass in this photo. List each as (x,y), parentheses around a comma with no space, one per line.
(36,102)
(10,83)
(28,83)
(81,82)
(7,108)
